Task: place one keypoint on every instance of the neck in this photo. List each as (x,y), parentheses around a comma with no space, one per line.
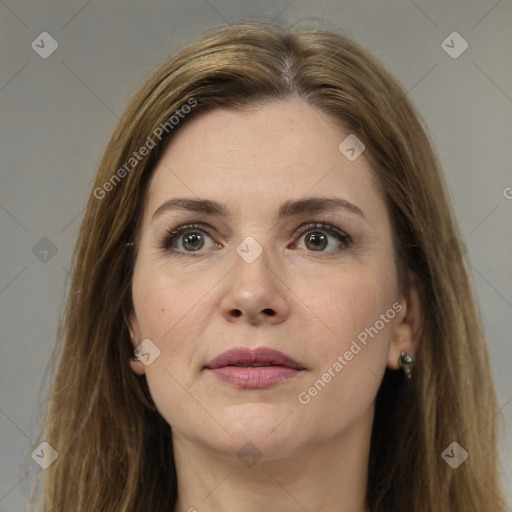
(328,475)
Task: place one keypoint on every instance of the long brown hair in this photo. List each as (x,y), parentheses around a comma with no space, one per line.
(114,448)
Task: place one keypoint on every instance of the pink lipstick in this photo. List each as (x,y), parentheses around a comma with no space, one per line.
(254,369)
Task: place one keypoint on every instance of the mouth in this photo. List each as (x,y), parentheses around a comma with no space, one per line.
(254,369)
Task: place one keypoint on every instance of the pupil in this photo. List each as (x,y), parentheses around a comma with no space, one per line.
(318,240)
(190,239)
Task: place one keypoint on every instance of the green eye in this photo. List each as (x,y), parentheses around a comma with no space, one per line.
(194,237)
(317,239)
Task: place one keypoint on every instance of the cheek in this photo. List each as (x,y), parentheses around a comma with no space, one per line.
(163,307)
(167,310)
(351,351)
(348,302)
(165,299)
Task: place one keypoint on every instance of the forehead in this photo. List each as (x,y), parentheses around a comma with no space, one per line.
(254,160)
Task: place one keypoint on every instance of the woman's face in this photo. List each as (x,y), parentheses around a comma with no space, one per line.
(259,276)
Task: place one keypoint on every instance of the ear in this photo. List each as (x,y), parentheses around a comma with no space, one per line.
(407,324)
(136,366)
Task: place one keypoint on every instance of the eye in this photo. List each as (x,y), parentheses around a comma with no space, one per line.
(190,236)
(316,237)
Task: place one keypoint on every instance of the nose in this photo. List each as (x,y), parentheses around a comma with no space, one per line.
(254,293)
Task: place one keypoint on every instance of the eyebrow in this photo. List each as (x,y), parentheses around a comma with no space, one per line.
(290,208)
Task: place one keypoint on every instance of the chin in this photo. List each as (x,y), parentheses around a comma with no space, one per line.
(269,427)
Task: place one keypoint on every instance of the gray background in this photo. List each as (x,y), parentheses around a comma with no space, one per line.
(58,113)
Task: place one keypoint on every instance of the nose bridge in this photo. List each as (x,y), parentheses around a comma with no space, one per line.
(252,266)
(254,290)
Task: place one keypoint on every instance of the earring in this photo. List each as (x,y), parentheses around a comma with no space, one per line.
(406,362)
(132,336)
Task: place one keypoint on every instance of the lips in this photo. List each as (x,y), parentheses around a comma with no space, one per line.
(260,357)
(254,369)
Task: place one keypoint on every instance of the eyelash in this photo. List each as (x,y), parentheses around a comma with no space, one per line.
(172,235)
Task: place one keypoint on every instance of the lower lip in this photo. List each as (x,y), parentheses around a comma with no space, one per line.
(256,377)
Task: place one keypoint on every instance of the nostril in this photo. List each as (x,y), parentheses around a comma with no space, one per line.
(237,312)
(269,312)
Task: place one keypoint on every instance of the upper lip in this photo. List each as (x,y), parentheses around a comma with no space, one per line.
(263,356)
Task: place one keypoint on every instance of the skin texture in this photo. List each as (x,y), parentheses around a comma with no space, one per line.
(308,304)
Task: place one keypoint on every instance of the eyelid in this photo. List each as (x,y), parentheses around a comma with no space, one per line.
(172,234)
(304,228)
(344,238)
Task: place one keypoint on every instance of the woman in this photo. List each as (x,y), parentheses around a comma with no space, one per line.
(268,307)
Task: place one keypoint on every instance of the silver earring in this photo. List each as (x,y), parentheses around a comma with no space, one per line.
(406,362)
